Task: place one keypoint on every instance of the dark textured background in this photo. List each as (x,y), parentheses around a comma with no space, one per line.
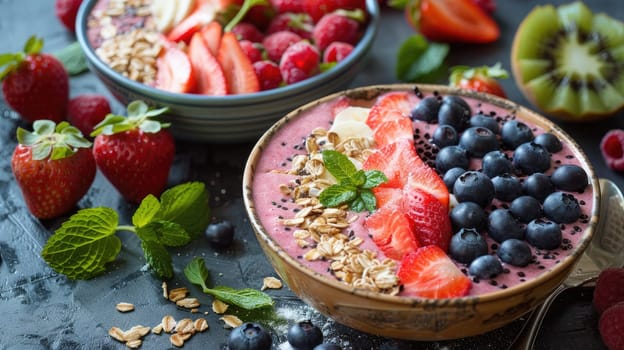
(42,310)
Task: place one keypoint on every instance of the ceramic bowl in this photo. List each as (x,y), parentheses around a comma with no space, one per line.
(231,118)
(399,316)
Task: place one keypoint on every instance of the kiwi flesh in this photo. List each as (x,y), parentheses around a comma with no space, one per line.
(569,62)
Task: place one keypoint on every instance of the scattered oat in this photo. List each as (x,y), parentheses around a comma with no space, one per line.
(134,344)
(168,323)
(136,332)
(200,324)
(271,282)
(188,303)
(178,294)
(165,290)
(117,334)
(177,340)
(124,307)
(219,307)
(231,321)
(185,326)
(157,329)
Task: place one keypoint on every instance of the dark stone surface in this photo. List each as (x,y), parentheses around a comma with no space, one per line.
(43,310)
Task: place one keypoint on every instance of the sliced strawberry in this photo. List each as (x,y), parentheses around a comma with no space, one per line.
(388,196)
(175,73)
(392,232)
(482,79)
(184,31)
(208,73)
(212,33)
(393,130)
(396,161)
(429,273)
(427,179)
(239,72)
(429,216)
(393,105)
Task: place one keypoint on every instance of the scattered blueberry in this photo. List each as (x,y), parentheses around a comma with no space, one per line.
(474,186)
(506,187)
(304,335)
(445,135)
(468,215)
(561,207)
(549,141)
(569,177)
(451,157)
(466,245)
(525,208)
(249,336)
(427,109)
(327,346)
(450,176)
(514,133)
(543,234)
(531,158)
(454,111)
(496,163)
(502,225)
(478,141)
(538,186)
(220,234)
(515,252)
(485,121)
(485,266)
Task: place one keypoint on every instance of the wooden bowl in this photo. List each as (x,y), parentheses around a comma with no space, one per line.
(399,316)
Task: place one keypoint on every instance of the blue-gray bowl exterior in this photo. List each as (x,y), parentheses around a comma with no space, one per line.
(231,118)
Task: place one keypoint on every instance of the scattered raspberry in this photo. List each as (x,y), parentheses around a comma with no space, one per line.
(247,31)
(275,44)
(318,8)
(86,111)
(611,327)
(609,288)
(335,27)
(260,15)
(268,73)
(66,11)
(336,52)
(282,6)
(489,6)
(612,148)
(252,50)
(298,23)
(300,61)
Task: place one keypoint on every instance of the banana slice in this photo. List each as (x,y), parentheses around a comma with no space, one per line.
(183,9)
(351,128)
(358,114)
(164,12)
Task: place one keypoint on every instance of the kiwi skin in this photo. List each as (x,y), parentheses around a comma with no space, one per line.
(550,22)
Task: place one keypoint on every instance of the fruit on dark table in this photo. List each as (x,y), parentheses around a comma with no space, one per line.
(249,336)
(609,288)
(612,149)
(481,79)
(304,335)
(87,110)
(66,11)
(327,346)
(220,234)
(566,63)
(611,327)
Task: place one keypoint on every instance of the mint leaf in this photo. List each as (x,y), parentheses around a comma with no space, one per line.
(338,165)
(186,205)
(419,60)
(145,212)
(365,201)
(337,195)
(73,59)
(196,272)
(158,258)
(374,178)
(164,232)
(83,245)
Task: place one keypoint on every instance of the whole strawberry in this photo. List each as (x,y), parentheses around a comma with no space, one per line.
(53,166)
(482,79)
(86,111)
(66,11)
(35,85)
(134,153)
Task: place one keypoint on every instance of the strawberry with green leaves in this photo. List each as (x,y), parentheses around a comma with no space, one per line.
(53,166)
(482,79)
(35,84)
(134,153)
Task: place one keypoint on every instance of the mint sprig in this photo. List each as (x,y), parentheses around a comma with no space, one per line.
(420,60)
(354,186)
(246,298)
(84,244)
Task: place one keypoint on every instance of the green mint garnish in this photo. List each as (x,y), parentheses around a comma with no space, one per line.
(247,298)
(72,58)
(85,243)
(354,186)
(420,60)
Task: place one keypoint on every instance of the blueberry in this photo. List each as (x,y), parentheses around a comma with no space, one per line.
(220,234)
(473,186)
(485,121)
(549,141)
(515,252)
(427,109)
(543,234)
(503,226)
(561,207)
(454,111)
(450,176)
(525,208)
(514,133)
(327,346)
(478,141)
(445,135)
(304,335)
(249,336)
(496,163)
(451,157)
(485,266)
(468,215)
(569,177)
(466,245)
(506,187)
(531,158)
(538,186)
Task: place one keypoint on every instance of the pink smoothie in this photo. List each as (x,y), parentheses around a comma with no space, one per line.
(272,206)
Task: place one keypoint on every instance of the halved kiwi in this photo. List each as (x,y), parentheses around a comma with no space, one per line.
(569,62)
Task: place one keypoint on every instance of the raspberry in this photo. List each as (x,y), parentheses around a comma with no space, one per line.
(336,52)
(298,23)
(335,27)
(300,61)
(86,111)
(247,31)
(268,73)
(489,6)
(66,11)
(318,8)
(609,288)
(275,44)
(611,327)
(282,6)
(252,50)
(612,148)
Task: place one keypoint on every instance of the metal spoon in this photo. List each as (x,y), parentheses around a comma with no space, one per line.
(605,250)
